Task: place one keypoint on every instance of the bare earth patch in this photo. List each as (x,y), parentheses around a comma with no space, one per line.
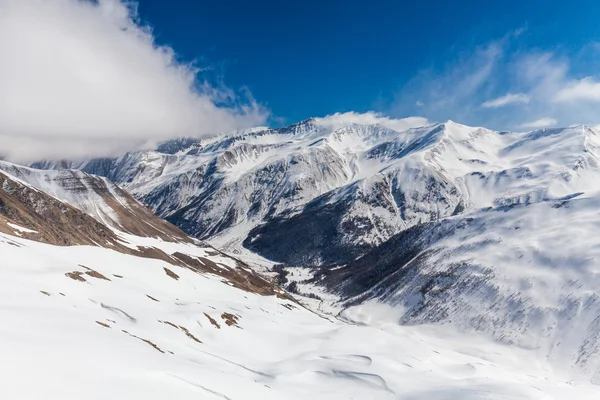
(103,324)
(183,329)
(212,321)
(150,297)
(96,274)
(44,292)
(118,276)
(171,274)
(76,276)
(144,340)
(230,319)
(189,334)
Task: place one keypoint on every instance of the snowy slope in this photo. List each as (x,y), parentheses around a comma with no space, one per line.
(219,189)
(525,275)
(450,225)
(186,321)
(345,188)
(89,322)
(97,197)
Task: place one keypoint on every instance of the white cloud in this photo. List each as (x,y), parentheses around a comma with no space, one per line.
(81,78)
(341,119)
(448,93)
(586,89)
(539,123)
(476,87)
(507,99)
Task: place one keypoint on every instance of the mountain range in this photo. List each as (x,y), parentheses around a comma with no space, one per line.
(427,234)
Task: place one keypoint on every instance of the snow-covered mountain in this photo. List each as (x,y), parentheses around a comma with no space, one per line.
(447,224)
(526,275)
(97,197)
(110,314)
(330,192)
(220,189)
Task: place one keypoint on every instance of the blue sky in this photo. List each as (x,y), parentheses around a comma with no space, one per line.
(507,65)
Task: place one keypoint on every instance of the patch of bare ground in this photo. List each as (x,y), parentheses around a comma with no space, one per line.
(76,276)
(79,276)
(58,223)
(189,334)
(212,321)
(103,324)
(44,292)
(51,220)
(133,217)
(143,340)
(171,273)
(183,329)
(241,278)
(118,276)
(230,319)
(96,274)
(152,298)
(288,306)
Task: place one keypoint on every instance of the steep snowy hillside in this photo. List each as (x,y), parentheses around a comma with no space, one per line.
(450,225)
(28,212)
(427,174)
(220,189)
(97,197)
(526,275)
(319,192)
(87,322)
(128,317)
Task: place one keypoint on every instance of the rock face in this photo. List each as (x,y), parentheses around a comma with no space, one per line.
(99,198)
(31,213)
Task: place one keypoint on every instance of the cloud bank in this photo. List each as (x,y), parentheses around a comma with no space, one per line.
(507,85)
(370,118)
(539,123)
(82,79)
(505,100)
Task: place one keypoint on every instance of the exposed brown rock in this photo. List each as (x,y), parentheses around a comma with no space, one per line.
(58,223)
(150,297)
(213,321)
(230,319)
(44,292)
(143,340)
(188,334)
(241,277)
(103,324)
(183,329)
(128,215)
(96,274)
(76,275)
(171,273)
